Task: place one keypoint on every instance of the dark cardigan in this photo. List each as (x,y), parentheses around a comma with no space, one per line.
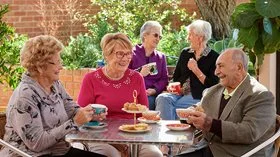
(207,65)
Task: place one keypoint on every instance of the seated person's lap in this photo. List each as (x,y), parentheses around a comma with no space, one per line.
(167,103)
(152,100)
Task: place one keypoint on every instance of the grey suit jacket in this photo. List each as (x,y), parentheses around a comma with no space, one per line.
(247,120)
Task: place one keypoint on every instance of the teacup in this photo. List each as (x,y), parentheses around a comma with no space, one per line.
(174,87)
(153,69)
(151,115)
(184,113)
(98,108)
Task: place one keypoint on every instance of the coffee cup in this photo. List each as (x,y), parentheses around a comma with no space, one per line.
(151,115)
(153,68)
(184,113)
(99,108)
(175,87)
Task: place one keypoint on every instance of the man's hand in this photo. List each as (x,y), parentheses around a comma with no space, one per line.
(200,120)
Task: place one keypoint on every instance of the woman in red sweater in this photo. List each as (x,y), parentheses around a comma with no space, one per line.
(113,85)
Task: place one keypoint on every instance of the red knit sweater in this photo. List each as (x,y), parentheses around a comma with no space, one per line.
(97,88)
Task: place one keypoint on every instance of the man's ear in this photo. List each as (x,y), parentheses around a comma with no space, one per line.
(240,67)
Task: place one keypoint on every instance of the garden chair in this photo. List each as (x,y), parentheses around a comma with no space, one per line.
(5,144)
(275,138)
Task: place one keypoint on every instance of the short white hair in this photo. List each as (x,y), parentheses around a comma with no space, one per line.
(202,28)
(147,26)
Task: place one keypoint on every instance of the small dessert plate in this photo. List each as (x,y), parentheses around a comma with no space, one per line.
(134,131)
(178,127)
(144,120)
(99,126)
(132,111)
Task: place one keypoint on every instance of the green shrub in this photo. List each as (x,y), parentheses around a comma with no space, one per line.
(231,42)
(11,43)
(129,16)
(172,44)
(81,52)
(98,30)
(84,50)
(225,43)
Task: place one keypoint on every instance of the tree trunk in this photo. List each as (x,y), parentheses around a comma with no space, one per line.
(218,13)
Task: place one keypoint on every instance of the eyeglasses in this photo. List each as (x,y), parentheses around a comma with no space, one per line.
(157,36)
(121,54)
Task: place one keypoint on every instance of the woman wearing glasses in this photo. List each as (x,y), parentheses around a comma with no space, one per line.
(40,112)
(101,86)
(145,54)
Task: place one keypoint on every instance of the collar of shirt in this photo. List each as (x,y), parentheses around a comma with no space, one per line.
(205,52)
(227,94)
(142,49)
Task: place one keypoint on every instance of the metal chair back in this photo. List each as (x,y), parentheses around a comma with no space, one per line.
(4,143)
(275,138)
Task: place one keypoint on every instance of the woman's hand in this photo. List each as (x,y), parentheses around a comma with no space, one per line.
(145,70)
(192,64)
(171,89)
(151,91)
(100,117)
(83,115)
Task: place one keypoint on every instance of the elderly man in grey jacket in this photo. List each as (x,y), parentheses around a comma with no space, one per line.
(239,112)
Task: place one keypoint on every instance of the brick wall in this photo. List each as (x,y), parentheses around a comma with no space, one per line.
(4,96)
(25,17)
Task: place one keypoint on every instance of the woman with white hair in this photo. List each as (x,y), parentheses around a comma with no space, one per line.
(156,78)
(194,70)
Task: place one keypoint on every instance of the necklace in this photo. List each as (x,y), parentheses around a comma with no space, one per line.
(109,77)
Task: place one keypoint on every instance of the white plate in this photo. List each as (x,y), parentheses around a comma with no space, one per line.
(100,126)
(178,127)
(144,120)
(131,111)
(135,131)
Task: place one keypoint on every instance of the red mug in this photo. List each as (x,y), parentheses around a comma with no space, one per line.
(175,87)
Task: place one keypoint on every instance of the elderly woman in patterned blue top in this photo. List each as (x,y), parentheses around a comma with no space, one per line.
(40,112)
